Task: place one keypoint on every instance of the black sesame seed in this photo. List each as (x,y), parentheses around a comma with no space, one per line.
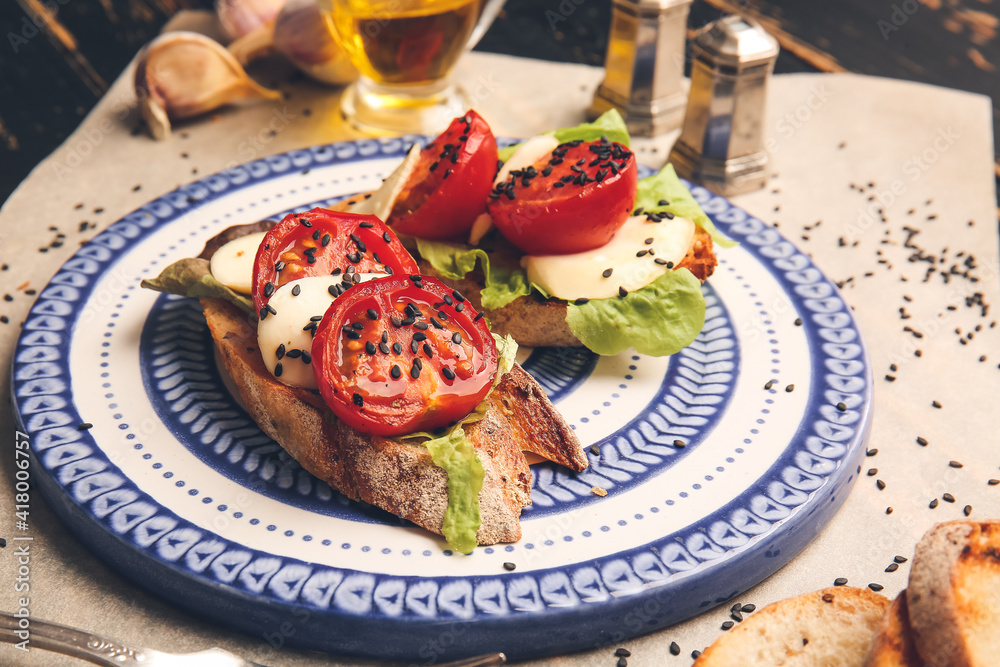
(607,273)
(727,625)
(325,241)
(955,464)
(280,352)
(872,472)
(372,314)
(84,426)
(414,371)
(948,498)
(370,347)
(967,510)
(306,357)
(395,372)
(933,504)
(458,295)
(420,325)
(748,608)
(768,384)
(871,452)
(419,336)
(623,653)
(296,290)
(509,566)
(358,326)
(397,348)
(674,649)
(305,223)
(418,363)
(900,559)
(428,350)
(622,662)
(840,581)
(790,388)
(622,292)
(457,338)
(842,406)
(436,324)
(358,399)
(277,370)
(936,404)
(263,313)
(334,290)
(459,307)
(696,654)
(268,289)
(922,441)
(876,587)
(448,373)
(892,567)
(366,225)
(680,444)
(880,484)
(993,482)
(386,237)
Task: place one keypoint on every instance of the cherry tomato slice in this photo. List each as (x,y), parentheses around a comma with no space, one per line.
(447,190)
(573,200)
(398,355)
(321,242)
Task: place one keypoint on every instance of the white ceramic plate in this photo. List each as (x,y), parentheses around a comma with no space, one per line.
(179,490)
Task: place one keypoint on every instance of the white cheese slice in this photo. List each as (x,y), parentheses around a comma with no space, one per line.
(531,151)
(232,264)
(382,200)
(287,327)
(581,275)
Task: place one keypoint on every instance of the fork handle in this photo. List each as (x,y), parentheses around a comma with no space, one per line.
(67,641)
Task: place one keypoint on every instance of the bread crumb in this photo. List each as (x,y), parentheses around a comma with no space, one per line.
(598,491)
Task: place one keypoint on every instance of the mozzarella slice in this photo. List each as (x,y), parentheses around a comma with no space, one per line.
(288,329)
(232,264)
(382,200)
(531,151)
(581,275)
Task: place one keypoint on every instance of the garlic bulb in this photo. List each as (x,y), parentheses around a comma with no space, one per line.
(302,35)
(183,74)
(241,17)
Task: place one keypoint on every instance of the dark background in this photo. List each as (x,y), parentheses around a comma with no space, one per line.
(50,77)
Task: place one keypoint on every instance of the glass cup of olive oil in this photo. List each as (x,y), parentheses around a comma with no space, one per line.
(405,51)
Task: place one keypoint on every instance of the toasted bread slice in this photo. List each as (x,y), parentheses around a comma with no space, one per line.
(954,594)
(541,323)
(893,644)
(397,476)
(832,627)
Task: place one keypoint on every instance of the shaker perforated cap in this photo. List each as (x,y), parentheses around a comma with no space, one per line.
(734,41)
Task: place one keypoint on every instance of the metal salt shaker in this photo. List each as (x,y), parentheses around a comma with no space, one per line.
(722,143)
(644,67)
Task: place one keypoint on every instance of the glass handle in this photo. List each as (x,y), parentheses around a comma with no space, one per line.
(490,10)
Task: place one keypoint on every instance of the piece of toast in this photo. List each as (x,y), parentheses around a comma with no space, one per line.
(396,476)
(542,323)
(833,627)
(893,644)
(954,594)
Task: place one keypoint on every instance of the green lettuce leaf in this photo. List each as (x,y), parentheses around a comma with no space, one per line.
(496,257)
(610,124)
(192,277)
(667,186)
(659,319)
(454,452)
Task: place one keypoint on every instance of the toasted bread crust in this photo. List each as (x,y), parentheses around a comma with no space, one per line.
(893,644)
(536,322)
(395,476)
(953,593)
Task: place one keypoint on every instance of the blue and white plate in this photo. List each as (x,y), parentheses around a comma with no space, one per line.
(179,490)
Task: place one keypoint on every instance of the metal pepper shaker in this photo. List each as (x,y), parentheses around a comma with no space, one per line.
(644,67)
(722,143)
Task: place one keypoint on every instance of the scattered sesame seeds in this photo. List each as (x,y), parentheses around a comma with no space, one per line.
(871,452)
(880,484)
(967,510)
(790,388)
(840,581)
(872,472)
(933,504)
(84,426)
(768,384)
(948,498)
(674,649)
(876,587)
(842,406)
(510,567)
(679,444)
(607,273)
(892,567)
(277,370)
(955,464)
(922,441)
(727,625)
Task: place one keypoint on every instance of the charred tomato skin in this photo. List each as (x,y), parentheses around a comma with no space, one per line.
(334,240)
(449,185)
(398,355)
(574,200)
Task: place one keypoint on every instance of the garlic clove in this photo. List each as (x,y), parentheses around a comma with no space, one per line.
(302,34)
(241,17)
(183,74)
